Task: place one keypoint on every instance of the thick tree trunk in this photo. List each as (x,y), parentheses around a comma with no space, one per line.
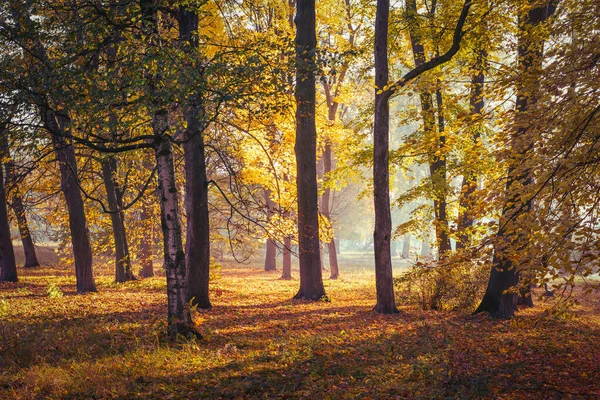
(146,241)
(287,258)
(197,246)
(502,295)
(311,282)
(16,202)
(123,272)
(271,247)
(8,265)
(82,250)
(386,302)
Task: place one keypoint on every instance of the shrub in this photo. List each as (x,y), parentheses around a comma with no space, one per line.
(447,286)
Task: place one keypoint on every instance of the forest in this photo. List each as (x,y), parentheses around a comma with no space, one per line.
(299,199)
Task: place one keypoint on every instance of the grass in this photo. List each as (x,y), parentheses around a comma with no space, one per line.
(260,344)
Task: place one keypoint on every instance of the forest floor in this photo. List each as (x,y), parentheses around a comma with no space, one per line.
(260,344)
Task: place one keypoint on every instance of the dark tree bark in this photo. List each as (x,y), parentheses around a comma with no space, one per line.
(57,124)
(8,265)
(469,183)
(501,297)
(15,200)
(123,272)
(311,282)
(386,302)
(82,250)
(197,246)
(179,316)
(271,253)
(383,223)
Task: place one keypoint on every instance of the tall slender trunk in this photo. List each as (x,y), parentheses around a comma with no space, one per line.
(386,302)
(146,241)
(82,250)
(8,265)
(287,258)
(326,207)
(271,253)
(437,161)
(406,246)
(123,271)
(197,246)
(469,182)
(440,183)
(311,282)
(501,298)
(15,200)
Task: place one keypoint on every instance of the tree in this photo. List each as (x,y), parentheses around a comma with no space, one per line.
(311,282)
(501,297)
(197,246)
(123,272)
(8,266)
(15,200)
(57,123)
(386,303)
(179,316)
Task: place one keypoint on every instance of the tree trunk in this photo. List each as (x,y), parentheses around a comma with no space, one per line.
(437,162)
(440,184)
(82,250)
(146,241)
(57,124)
(469,183)
(287,258)
(425,248)
(123,272)
(8,265)
(16,202)
(179,317)
(386,302)
(197,246)
(502,296)
(406,247)
(271,253)
(311,282)
(326,202)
